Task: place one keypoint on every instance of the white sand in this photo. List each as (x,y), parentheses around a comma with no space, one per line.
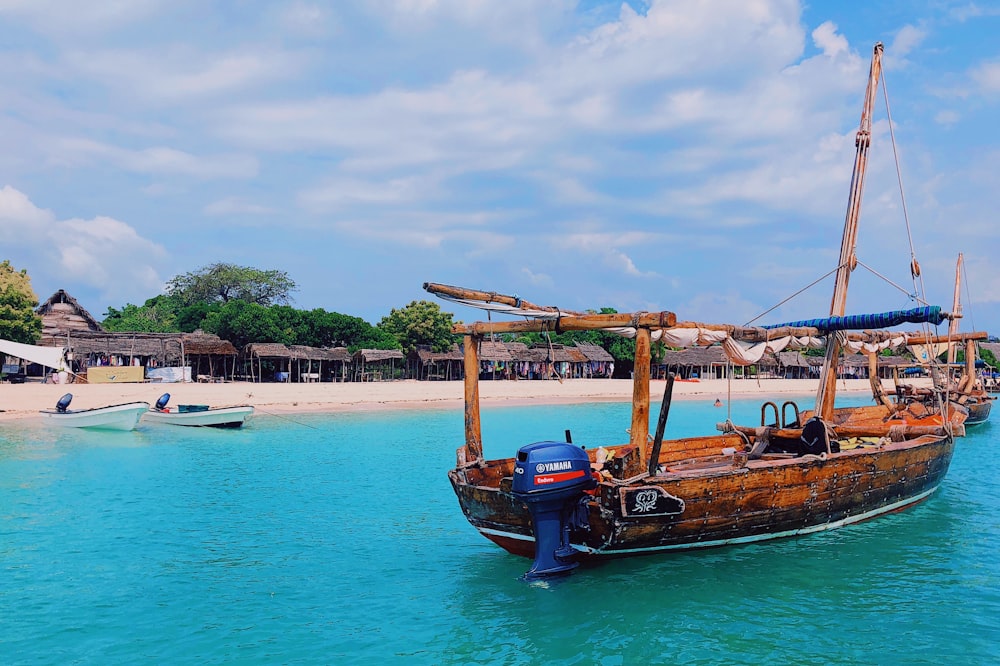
(23,400)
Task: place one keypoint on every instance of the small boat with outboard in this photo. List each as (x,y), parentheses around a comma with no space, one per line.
(232,416)
(110,417)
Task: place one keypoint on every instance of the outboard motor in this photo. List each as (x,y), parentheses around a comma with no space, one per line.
(551,477)
(64,403)
(161,404)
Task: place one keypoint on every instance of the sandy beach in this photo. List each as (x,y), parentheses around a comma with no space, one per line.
(25,400)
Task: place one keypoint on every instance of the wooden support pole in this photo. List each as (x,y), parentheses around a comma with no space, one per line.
(473,430)
(640,394)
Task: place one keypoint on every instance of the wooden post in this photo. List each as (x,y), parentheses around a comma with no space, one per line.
(473,432)
(640,393)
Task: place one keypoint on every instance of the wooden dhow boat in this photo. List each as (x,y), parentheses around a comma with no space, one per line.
(561,504)
(110,417)
(233,416)
(966,390)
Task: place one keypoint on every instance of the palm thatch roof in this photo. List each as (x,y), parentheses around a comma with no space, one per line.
(792,359)
(595,352)
(425,356)
(165,347)
(200,342)
(696,356)
(490,350)
(376,355)
(306,353)
(62,314)
(267,350)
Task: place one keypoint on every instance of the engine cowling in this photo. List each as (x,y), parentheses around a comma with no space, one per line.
(552,478)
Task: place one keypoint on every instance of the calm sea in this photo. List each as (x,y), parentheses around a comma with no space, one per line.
(322,539)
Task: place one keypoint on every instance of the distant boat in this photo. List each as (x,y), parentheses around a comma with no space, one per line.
(967,390)
(233,416)
(112,417)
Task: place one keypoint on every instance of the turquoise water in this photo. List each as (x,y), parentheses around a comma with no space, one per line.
(322,539)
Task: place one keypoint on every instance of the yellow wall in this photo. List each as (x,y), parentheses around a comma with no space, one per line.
(106,374)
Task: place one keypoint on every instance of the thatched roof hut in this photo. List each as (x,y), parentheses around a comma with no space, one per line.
(377,364)
(62,314)
(594,352)
(337,359)
(600,362)
(426,364)
(700,362)
(100,348)
(492,350)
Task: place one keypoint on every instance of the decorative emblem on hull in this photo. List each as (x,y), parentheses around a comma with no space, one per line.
(649,501)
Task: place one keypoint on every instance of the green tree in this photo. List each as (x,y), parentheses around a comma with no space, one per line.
(241,323)
(222,283)
(420,323)
(156,315)
(18,321)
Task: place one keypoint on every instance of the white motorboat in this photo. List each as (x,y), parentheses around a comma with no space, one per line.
(233,416)
(112,417)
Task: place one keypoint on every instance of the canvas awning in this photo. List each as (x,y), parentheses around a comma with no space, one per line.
(50,357)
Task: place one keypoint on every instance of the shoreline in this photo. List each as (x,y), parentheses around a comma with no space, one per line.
(19,401)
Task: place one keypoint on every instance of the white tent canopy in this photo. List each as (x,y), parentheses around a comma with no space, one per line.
(50,357)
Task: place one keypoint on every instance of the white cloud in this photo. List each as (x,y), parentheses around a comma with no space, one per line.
(80,152)
(829,41)
(906,40)
(235,206)
(101,252)
(987,77)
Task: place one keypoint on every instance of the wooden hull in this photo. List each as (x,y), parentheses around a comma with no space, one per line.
(112,417)
(721,499)
(979,411)
(880,416)
(216,417)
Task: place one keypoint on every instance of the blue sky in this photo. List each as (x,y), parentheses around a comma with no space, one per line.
(675,155)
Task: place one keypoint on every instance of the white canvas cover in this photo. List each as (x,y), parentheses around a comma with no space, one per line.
(50,357)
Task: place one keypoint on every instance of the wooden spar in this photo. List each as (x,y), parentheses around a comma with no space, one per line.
(661,425)
(473,430)
(935,339)
(639,432)
(448,291)
(658,320)
(956,309)
(905,431)
(582,322)
(828,385)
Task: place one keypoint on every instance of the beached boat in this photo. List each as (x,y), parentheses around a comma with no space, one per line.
(233,416)
(111,417)
(562,504)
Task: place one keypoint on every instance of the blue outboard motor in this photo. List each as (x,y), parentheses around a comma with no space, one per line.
(64,403)
(551,477)
(161,404)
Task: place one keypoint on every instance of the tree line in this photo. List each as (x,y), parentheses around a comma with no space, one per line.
(244,304)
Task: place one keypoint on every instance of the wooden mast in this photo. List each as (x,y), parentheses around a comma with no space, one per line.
(956,310)
(473,430)
(848,260)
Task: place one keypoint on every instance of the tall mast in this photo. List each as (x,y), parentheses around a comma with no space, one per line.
(848,260)
(956,309)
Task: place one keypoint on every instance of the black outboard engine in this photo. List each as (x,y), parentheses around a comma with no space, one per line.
(64,403)
(551,477)
(161,404)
